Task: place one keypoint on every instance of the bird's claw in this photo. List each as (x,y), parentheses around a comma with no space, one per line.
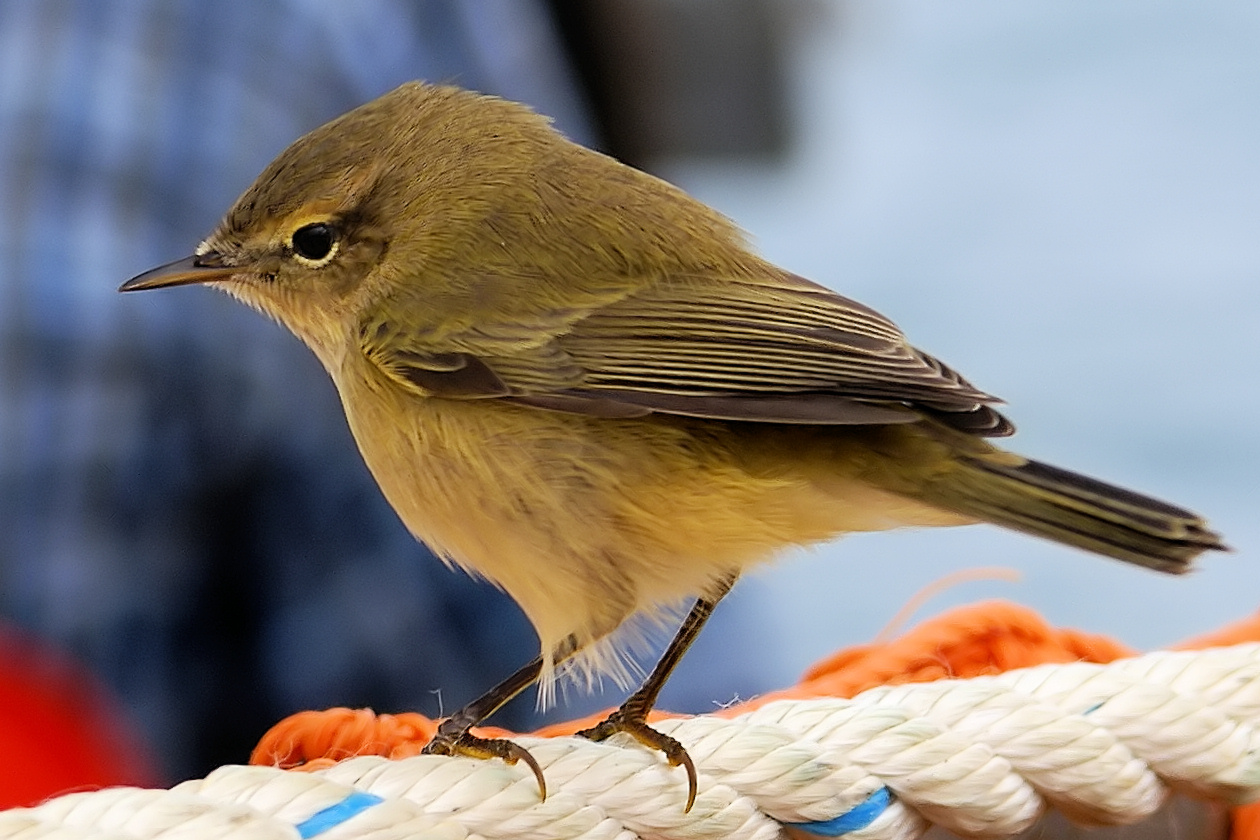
(461,742)
(636,727)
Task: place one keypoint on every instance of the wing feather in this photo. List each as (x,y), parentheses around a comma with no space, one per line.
(764,349)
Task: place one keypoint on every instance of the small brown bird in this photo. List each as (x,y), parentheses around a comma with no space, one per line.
(573,379)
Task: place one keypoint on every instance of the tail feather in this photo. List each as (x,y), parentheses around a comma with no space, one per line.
(1063,506)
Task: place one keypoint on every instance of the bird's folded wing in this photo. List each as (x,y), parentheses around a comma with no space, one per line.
(772,349)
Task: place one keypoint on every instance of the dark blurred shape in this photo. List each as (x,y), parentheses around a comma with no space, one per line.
(681,77)
(60,729)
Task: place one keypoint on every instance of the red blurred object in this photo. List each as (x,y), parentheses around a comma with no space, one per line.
(59,730)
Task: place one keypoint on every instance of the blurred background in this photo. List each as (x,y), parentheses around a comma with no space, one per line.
(1060,199)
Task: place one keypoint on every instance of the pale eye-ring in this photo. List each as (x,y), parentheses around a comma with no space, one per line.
(315,243)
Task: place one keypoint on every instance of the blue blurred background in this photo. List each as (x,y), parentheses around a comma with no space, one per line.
(1063,201)
(1060,199)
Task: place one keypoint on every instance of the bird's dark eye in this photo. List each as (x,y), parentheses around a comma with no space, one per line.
(314,241)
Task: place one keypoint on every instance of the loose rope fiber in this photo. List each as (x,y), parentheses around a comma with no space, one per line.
(982,757)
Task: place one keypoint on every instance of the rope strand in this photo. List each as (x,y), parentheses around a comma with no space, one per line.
(982,757)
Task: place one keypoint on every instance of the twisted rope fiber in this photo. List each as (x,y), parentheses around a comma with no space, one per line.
(982,757)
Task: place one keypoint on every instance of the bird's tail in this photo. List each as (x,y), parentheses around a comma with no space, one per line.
(1076,510)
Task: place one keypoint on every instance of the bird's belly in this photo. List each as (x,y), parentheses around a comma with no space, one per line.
(585,522)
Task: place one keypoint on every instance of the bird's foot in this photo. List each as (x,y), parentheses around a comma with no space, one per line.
(634,723)
(457,740)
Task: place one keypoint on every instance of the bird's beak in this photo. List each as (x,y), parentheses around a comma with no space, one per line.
(201,269)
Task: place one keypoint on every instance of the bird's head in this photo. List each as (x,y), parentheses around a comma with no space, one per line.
(386,198)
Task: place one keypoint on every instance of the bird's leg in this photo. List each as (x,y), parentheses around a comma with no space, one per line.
(453,738)
(631,717)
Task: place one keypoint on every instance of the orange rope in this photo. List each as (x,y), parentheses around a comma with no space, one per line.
(985,638)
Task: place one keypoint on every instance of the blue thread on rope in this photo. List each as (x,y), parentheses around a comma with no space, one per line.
(334,815)
(857,817)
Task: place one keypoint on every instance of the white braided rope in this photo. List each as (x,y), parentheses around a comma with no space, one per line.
(985,757)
